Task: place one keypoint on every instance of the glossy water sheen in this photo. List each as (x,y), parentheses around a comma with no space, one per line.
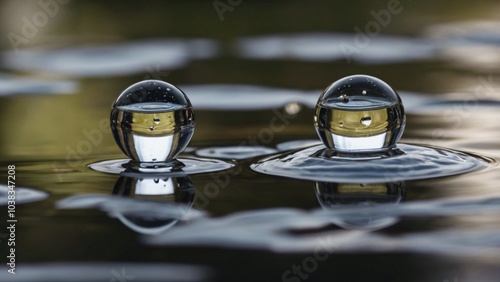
(152,121)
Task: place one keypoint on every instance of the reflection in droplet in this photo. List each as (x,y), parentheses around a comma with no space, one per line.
(177,194)
(131,119)
(350,100)
(23,195)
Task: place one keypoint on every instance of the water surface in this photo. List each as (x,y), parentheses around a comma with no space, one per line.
(253,80)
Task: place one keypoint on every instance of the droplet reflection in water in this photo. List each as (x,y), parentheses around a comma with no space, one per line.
(363,196)
(359,113)
(406,162)
(152,121)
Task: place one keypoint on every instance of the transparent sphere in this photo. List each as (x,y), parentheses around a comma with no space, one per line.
(174,197)
(152,121)
(359,113)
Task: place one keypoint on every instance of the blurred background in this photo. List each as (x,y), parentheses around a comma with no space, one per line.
(62,64)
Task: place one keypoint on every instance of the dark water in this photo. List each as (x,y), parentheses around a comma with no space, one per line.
(253,72)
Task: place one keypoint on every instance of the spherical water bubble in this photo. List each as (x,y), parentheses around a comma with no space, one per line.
(152,121)
(359,113)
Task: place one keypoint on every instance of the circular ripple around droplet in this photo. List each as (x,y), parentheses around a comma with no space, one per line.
(191,166)
(414,162)
(235,152)
(23,195)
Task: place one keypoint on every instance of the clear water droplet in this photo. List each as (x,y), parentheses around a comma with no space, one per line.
(344,99)
(366,121)
(131,117)
(359,113)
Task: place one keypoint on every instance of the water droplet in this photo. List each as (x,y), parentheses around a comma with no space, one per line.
(344,99)
(131,118)
(347,119)
(366,120)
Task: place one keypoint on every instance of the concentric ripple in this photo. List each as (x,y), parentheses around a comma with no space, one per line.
(408,162)
(181,167)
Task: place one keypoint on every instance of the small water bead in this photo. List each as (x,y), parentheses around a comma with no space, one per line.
(135,121)
(359,113)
